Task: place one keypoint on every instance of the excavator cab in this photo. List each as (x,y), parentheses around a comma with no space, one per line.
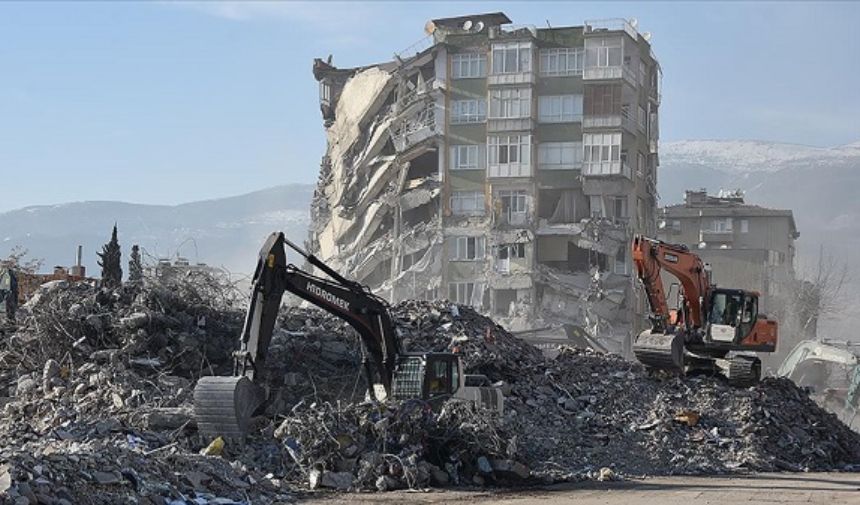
(732,313)
(438,376)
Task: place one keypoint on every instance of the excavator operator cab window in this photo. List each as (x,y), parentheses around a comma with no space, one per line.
(748,315)
(439,377)
(725,308)
(750,310)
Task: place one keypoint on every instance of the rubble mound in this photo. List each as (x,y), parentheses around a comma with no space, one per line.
(97,408)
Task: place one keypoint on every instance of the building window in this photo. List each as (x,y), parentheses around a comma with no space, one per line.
(603,100)
(509,103)
(467,157)
(468,111)
(325,93)
(676,225)
(745,225)
(618,204)
(561,61)
(603,53)
(559,108)
(620,266)
(643,118)
(467,203)
(468,65)
(512,58)
(601,152)
(511,251)
(722,225)
(509,155)
(466,248)
(514,206)
(461,292)
(560,155)
(643,73)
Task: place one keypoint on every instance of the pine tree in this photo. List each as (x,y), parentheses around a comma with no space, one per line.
(110,260)
(135,267)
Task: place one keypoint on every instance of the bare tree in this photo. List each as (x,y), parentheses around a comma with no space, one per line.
(18,261)
(819,292)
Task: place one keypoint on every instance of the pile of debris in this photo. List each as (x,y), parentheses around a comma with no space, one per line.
(98,387)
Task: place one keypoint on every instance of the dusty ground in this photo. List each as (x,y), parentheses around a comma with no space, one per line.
(812,488)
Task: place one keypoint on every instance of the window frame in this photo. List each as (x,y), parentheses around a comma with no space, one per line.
(545,149)
(467,248)
(477,111)
(468,289)
(576,55)
(457,151)
(469,60)
(521,65)
(510,103)
(548,103)
(477,198)
(508,144)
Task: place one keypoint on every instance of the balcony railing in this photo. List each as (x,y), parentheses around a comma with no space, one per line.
(622,120)
(512,78)
(611,25)
(606,169)
(415,129)
(596,73)
(716,236)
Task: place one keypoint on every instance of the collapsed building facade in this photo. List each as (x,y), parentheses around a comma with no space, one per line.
(504,167)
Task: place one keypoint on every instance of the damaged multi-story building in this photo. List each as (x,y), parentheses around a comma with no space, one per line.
(747,246)
(500,166)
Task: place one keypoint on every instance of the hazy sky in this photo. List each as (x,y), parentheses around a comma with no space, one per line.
(174,102)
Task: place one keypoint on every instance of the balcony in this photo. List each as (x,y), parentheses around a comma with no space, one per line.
(721,237)
(510,124)
(512,78)
(620,120)
(603,73)
(606,169)
(415,129)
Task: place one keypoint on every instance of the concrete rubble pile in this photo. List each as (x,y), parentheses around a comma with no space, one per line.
(97,408)
(97,397)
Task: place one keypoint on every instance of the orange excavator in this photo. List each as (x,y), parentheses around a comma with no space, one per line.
(713,329)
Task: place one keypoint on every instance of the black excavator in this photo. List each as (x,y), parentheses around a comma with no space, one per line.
(224,406)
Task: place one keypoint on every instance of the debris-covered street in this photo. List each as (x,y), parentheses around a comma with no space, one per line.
(99,408)
(812,488)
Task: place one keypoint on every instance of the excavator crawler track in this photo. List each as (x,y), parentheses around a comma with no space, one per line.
(660,351)
(744,371)
(223,406)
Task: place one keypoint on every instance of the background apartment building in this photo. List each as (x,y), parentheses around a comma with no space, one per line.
(747,246)
(500,166)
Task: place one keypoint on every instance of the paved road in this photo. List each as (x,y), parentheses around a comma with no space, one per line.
(809,488)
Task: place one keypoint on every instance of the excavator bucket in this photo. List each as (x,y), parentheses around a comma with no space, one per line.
(661,351)
(223,406)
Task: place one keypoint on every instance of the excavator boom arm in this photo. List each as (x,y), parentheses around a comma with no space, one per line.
(650,257)
(345,299)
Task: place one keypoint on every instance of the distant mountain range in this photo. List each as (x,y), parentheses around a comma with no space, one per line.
(819,184)
(224,232)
